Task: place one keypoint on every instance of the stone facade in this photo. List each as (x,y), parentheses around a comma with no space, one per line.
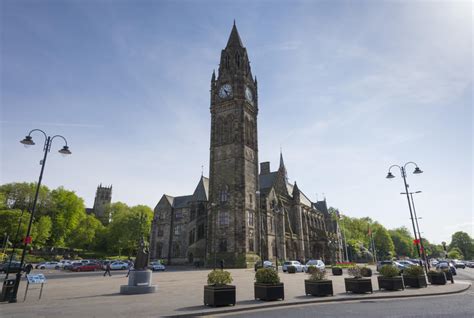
(103,198)
(238,215)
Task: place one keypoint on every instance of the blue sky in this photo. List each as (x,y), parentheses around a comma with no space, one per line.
(346,88)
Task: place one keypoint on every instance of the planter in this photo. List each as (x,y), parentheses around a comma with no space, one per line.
(219,295)
(437,279)
(291,269)
(318,288)
(269,291)
(390,283)
(449,276)
(336,271)
(415,281)
(358,285)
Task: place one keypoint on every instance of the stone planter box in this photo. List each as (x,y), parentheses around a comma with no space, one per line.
(415,281)
(358,285)
(390,283)
(336,271)
(269,291)
(219,295)
(437,279)
(318,288)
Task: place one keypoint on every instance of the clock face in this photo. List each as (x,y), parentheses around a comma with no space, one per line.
(225,91)
(248,94)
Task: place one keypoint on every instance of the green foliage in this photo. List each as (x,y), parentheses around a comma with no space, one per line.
(389,271)
(41,231)
(455,253)
(311,269)
(413,271)
(85,233)
(267,276)
(355,271)
(402,241)
(9,221)
(365,271)
(464,243)
(218,277)
(383,243)
(129,225)
(317,275)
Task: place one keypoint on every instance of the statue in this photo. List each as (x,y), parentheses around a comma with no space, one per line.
(141,262)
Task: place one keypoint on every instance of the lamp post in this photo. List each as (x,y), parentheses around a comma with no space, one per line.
(260,221)
(28,141)
(404,176)
(276,211)
(423,252)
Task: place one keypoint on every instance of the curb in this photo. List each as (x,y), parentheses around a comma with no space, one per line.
(315,301)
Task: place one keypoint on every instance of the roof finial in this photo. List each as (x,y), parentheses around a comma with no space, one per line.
(234,22)
(202,170)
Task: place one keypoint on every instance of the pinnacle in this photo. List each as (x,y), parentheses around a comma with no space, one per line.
(234,38)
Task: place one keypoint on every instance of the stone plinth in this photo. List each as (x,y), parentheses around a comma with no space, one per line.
(139,282)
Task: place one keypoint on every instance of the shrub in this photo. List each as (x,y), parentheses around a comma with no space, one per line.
(267,276)
(291,269)
(311,269)
(365,271)
(317,274)
(389,271)
(217,277)
(355,271)
(413,271)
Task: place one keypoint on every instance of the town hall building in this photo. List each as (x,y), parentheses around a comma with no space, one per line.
(239,214)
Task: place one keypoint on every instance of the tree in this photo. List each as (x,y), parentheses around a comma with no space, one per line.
(41,231)
(129,225)
(66,213)
(10,221)
(383,243)
(402,241)
(455,253)
(464,243)
(21,196)
(85,233)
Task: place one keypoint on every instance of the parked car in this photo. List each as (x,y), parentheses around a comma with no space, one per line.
(445,265)
(299,267)
(157,266)
(470,264)
(319,264)
(69,266)
(89,267)
(49,265)
(408,263)
(399,265)
(119,265)
(14,267)
(65,262)
(459,264)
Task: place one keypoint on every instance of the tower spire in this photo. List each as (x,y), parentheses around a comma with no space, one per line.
(282,167)
(234,38)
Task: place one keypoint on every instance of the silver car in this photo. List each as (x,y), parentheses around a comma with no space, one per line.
(319,264)
(299,267)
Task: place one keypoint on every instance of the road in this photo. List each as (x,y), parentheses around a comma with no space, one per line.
(457,305)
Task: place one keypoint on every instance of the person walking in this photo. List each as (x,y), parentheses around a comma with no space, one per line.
(107,269)
(130,268)
(28,268)
(222,264)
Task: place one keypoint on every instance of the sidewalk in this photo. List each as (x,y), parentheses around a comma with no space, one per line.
(178,293)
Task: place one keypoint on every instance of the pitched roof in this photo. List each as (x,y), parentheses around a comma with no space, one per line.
(266,181)
(202,190)
(182,201)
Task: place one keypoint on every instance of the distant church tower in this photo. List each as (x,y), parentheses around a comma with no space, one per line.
(233,227)
(103,198)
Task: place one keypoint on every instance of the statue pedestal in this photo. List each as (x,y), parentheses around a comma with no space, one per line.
(139,282)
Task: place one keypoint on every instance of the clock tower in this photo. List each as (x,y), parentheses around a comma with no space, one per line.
(233,227)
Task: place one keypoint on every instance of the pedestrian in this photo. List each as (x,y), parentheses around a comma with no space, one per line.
(28,268)
(107,269)
(222,264)
(130,267)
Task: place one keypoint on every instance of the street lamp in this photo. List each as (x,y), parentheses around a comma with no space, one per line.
(276,211)
(417,226)
(28,141)
(404,176)
(260,221)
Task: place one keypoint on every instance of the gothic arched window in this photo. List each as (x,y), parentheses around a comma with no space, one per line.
(224,193)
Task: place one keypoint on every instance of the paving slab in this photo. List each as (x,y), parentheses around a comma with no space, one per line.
(179,293)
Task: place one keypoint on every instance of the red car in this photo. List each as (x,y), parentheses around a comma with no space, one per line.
(90,267)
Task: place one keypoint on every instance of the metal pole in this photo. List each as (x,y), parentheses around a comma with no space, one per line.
(276,237)
(15,243)
(345,241)
(402,169)
(13,298)
(419,234)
